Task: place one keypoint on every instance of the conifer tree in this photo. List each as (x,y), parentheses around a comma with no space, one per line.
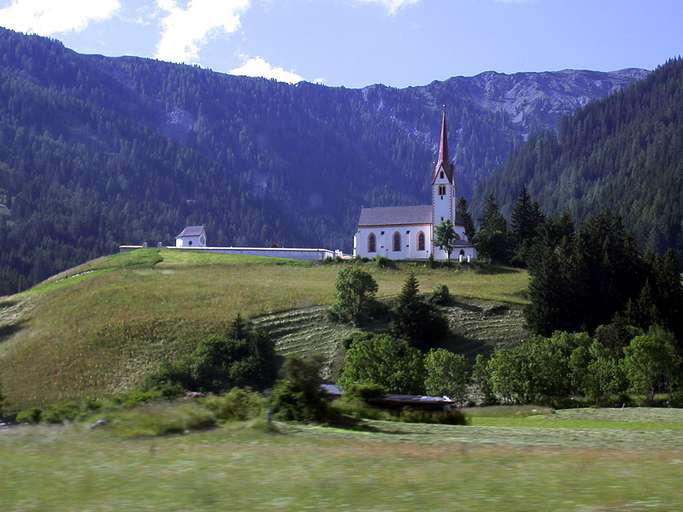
(492,239)
(463,212)
(525,221)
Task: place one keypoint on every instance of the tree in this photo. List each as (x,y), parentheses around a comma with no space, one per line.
(416,320)
(299,395)
(481,378)
(536,370)
(445,237)
(650,361)
(446,374)
(462,212)
(492,239)
(383,360)
(596,372)
(356,291)
(525,220)
(245,357)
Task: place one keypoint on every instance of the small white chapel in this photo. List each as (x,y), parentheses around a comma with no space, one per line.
(407,232)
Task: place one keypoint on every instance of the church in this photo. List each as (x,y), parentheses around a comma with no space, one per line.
(407,232)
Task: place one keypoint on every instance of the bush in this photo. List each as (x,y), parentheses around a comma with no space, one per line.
(414,319)
(447,417)
(355,291)
(385,361)
(536,370)
(237,405)
(651,361)
(384,263)
(244,357)
(30,416)
(299,397)
(62,412)
(446,374)
(160,419)
(596,373)
(481,378)
(441,295)
(365,392)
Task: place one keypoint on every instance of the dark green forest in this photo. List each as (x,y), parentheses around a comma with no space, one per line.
(97,152)
(622,154)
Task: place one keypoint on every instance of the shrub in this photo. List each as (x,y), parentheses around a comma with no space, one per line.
(160,419)
(365,391)
(446,374)
(384,263)
(446,417)
(237,405)
(30,416)
(596,373)
(481,378)
(384,361)
(299,397)
(536,370)
(355,291)
(651,360)
(244,357)
(441,295)
(414,319)
(62,412)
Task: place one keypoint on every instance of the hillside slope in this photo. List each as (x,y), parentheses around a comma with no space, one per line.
(97,151)
(624,154)
(101,327)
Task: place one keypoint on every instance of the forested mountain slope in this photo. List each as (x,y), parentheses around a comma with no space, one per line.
(99,151)
(623,154)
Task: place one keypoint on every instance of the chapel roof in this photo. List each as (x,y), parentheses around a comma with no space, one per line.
(396,215)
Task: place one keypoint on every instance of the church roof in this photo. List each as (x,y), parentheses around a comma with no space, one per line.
(191,231)
(395,215)
(443,162)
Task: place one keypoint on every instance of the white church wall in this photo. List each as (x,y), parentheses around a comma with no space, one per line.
(384,242)
(190,241)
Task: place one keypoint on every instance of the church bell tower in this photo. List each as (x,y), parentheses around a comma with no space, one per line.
(443,181)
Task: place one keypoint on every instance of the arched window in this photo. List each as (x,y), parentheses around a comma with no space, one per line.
(372,243)
(397,241)
(420,241)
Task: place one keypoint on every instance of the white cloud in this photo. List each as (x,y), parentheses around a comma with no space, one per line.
(47,17)
(392,6)
(258,66)
(184,31)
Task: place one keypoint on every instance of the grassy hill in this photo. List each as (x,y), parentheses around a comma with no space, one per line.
(102,326)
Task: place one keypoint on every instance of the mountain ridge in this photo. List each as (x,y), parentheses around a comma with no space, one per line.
(97,151)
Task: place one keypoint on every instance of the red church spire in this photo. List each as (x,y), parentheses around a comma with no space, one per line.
(443,163)
(443,138)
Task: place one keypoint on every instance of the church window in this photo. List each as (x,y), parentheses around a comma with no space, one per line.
(190,242)
(372,243)
(442,190)
(397,241)
(441,175)
(421,241)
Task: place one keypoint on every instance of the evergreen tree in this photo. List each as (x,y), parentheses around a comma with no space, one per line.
(525,221)
(414,319)
(462,212)
(492,239)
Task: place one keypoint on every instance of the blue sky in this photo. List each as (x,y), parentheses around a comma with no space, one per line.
(360,42)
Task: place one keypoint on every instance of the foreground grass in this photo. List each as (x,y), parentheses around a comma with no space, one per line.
(390,466)
(101,327)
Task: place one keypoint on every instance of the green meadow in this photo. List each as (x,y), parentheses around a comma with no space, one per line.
(551,462)
(101,327)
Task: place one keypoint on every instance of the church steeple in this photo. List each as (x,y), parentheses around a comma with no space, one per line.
(443,164)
